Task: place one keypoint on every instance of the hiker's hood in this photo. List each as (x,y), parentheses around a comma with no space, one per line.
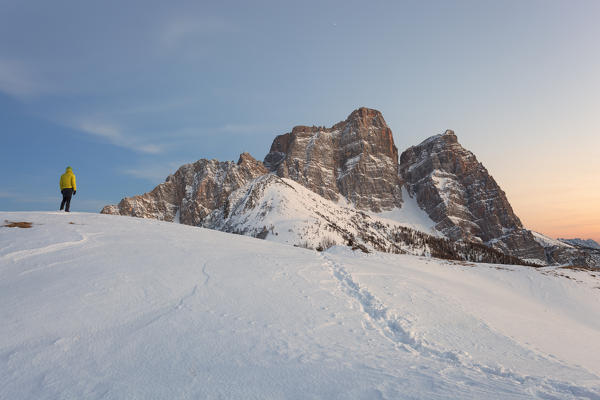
(69,169)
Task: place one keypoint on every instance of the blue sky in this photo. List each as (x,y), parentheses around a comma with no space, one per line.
(126,91)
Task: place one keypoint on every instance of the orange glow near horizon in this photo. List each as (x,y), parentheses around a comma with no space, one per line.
(560,220)
(559,198)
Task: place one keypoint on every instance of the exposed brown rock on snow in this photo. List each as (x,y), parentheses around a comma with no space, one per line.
(192,192)
(461,196)
(355,158)
(20,224)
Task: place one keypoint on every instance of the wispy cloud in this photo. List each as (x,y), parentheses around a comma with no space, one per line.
(161,105)
(246,129)
(8,195)
(115,135)
(153,172)
(178,30)
(17,80)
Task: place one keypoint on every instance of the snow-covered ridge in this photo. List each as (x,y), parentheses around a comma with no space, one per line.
(282,210)
(99,306)
(590,243)
(566,252)
(547,241)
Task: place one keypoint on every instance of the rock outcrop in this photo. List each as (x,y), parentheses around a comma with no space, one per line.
(355,161)
(355,158)
(576,252)
(463,199)
(191,193)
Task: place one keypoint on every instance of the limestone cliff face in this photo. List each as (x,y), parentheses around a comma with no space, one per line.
(463,199)
(355,159)
(191,193)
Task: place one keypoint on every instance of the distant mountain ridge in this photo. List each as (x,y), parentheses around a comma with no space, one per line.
(582,243)
(353,164)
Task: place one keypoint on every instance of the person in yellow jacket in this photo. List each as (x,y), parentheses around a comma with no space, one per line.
(68,188)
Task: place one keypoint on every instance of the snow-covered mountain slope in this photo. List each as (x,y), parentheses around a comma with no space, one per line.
(547,241)
(100,306)
(582,243)
(411,215)
(560,251)
(282,210)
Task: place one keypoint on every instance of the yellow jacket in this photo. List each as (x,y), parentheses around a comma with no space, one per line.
(67,180)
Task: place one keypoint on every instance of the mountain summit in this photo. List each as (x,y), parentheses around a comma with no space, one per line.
(463,199)
(353,170)
(355,159)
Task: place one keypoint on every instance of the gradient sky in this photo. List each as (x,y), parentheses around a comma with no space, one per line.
(126,91)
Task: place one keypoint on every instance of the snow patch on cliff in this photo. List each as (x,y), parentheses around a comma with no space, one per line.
(410,215)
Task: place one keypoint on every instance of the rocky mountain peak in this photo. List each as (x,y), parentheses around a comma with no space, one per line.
(372,121)
(191,193)
(355,159)
(459,194)
(364,116)
(449,137)
(250,162)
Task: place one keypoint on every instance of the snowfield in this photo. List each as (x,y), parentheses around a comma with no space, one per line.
(411,215)
(107,307)
(284,211)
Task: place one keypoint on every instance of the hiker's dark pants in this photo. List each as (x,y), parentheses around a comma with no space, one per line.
(66,201)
